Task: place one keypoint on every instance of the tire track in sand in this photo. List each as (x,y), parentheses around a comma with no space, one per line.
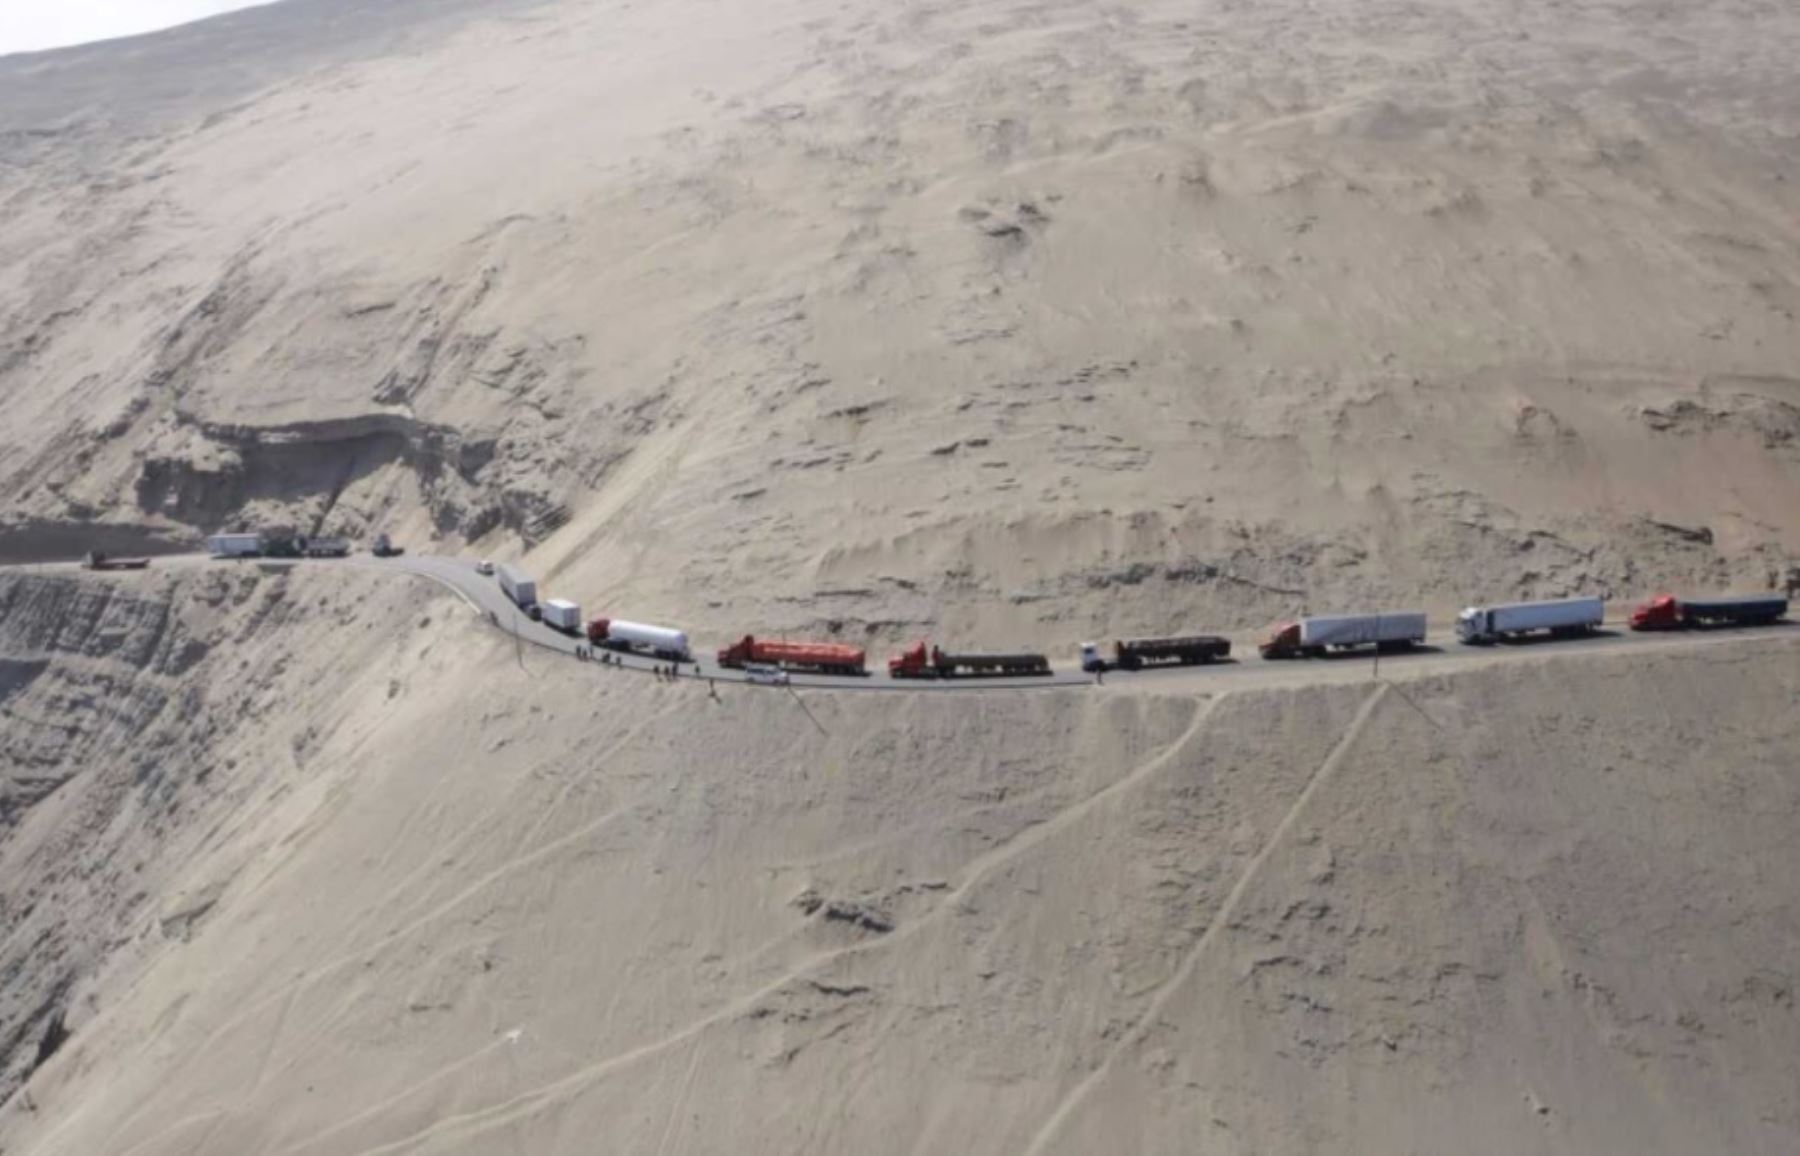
(469,1124)
(1071,1102)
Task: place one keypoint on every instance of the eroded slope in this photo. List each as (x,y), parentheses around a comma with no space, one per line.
(1545,907)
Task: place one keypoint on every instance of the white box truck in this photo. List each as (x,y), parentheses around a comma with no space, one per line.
(563,615)
(517,586)
(1479,625)
(1312,637)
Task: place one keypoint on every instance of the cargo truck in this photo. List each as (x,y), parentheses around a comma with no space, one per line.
(1564,617)
(926,661)
(822,657)
(1667,612)
(325,547)
(517,586)
(96,560)
(561,614)
(1313,637)
(234,545)
(1137,653)
(639,638)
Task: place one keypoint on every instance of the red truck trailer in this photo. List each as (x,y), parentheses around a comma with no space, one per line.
(822,657)
(1667,612)
(926,661)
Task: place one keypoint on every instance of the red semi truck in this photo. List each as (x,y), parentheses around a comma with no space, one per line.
(822,657)
(1667,612)
(926,661)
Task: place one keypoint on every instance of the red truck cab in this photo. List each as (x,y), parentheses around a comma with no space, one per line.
(1662,612)
(1283,641)
(914,662)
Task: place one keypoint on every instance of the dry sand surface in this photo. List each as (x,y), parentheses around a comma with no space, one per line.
(1010,322)
(1548,907)
(1013,320)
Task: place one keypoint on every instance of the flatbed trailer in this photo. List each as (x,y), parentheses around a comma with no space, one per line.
(1667,612)
(96,560)
(923,660)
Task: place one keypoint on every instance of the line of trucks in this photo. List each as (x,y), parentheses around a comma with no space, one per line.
(285,544)
(1309,637)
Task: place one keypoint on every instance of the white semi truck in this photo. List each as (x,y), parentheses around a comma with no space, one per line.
(1313,637)
(519,587)
(1479,625)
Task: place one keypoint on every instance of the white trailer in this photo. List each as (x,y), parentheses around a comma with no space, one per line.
(563,615)
(637,637)
(1312,637)
(1561,616)
(518,586)
(234,545)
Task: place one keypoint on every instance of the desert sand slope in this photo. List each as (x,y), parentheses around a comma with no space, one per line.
(1005,319)
(560,909)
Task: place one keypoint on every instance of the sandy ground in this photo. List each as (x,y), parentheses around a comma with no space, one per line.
(1011,323)
(1536,908)
(990,319)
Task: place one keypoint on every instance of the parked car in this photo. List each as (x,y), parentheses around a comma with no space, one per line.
(484,567)
(764,675)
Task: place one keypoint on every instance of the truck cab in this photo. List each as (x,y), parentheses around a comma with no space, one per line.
(1472,625)
(1283,641)
(914,662)
(1092,661)
(1662,612)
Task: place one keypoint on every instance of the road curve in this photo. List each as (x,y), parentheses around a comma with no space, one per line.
(483,594)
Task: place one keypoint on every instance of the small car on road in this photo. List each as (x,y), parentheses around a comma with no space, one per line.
(764,675)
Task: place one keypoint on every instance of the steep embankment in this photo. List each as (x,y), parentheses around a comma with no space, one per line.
(1545,907)
(874,317)
(146,722)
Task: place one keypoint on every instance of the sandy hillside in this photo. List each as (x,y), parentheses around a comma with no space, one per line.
(1544,908)
(1011,322)
(1043,319)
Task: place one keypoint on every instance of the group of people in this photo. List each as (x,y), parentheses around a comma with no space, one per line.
(669,673)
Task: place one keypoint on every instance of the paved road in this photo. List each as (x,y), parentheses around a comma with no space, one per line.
(484,594)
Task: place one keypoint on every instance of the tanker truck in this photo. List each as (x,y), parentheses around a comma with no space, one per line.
(1562,617)
(1667,612)
(926,661)
(1313,637)
(1137,653)
(662,642)
(821,657)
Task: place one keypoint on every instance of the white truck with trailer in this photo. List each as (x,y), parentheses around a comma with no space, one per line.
(662,642)
(1560,617)
(519,587)
(1313,637)
(562,614)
